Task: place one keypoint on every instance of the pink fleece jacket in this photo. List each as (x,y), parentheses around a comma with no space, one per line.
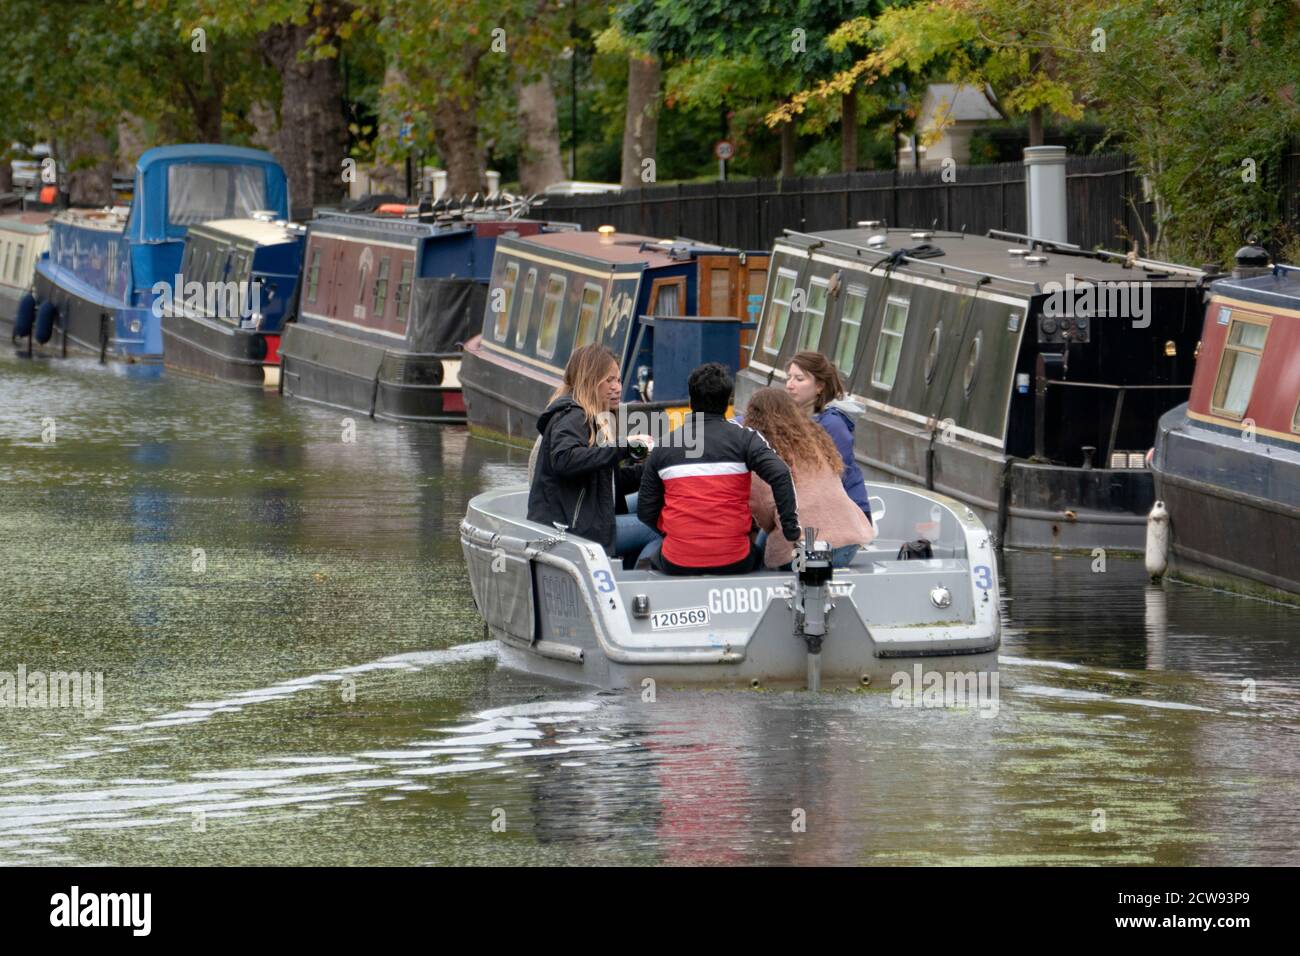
(823,504)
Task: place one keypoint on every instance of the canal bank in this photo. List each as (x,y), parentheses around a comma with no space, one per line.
(293,673)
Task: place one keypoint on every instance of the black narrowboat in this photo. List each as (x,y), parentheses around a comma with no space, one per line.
(1021,377)
(386,305)
(1227,463)
(223,313)
(661,306)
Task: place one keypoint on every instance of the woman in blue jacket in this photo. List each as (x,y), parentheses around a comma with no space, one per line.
(813,382)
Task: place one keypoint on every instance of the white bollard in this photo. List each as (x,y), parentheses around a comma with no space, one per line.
(1157,540)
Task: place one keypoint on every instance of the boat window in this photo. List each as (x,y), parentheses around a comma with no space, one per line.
(1239,363)
(667,295)
(201,192)
(720,291)
(846,346)
(526,309)
(889,347)
(313,274)
(363,273)
(380,301)
(4,259)
(932,352)
(814,314)
(588,314)
(507,299)
(779,315)
(404,287)
(552,306)
(1295,419)
(972,363)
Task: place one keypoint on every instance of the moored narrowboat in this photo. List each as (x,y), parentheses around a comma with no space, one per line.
(224,311)
(1227,463)
(1020,377)
(95,289)
(385,306)
(23,238)
(661,306)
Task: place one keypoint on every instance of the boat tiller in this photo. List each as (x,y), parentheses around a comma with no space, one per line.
(812,600)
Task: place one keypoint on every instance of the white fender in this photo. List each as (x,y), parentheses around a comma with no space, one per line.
(1157,540)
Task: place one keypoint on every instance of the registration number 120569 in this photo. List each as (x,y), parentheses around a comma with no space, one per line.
(681,617)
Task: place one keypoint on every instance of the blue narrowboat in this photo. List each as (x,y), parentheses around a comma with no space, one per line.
(95,287)
(234,292)
(661,306)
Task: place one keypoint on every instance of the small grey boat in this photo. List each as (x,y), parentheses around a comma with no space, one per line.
(559,608)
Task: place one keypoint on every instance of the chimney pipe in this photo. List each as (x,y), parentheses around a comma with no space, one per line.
(1045,193)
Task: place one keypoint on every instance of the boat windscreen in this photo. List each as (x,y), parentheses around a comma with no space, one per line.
(201,192)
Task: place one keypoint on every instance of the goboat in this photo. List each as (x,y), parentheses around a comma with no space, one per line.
(559,608)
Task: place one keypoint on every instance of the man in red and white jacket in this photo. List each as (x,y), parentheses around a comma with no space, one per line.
(698,498)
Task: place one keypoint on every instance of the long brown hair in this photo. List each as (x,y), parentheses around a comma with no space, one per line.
(583,373)
(829,384)
(801,442)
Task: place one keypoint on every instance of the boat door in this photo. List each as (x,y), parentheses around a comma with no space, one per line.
(733,285)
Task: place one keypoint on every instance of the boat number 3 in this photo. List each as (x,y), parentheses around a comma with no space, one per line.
(983,577)
(605,581)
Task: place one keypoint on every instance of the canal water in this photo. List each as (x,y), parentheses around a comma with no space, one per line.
(293,672)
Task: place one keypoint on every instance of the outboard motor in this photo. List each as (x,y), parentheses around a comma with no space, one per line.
(812,601)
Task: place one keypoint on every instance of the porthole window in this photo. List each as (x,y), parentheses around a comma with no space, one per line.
(932,352)
(972,363)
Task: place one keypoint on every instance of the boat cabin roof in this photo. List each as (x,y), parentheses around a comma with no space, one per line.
(107,218)
(999,256)
(623,248)
(257,231)
(1280,288)
(25,221)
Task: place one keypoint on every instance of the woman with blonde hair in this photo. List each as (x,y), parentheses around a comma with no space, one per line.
(816,465)
(581,473)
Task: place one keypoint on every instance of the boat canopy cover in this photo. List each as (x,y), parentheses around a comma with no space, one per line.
(181,186)
(445,313)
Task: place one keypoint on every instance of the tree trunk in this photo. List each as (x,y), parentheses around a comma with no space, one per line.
(388,174)
(90,166)
(6,173)
(849,131)
(641,124)
(313,135)
(456,124)
(1036,126)
(539,129)
(787,149)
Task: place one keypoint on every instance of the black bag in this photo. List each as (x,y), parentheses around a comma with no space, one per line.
(918,550)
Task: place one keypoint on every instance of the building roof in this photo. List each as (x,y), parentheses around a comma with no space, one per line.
(954,102)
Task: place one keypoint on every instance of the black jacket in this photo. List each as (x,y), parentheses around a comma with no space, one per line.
(698,498)
(576,483)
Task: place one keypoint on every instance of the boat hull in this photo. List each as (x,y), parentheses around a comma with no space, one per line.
(94,326)
(218,350)
(560,610)
(385,383)
(1234,508)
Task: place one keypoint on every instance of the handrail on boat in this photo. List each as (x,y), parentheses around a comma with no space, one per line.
(941,266)
(1155,264)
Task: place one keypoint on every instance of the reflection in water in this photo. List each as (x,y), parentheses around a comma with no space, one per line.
(317,693)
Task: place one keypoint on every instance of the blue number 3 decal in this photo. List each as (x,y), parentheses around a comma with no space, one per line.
(983,577)
(604,581)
